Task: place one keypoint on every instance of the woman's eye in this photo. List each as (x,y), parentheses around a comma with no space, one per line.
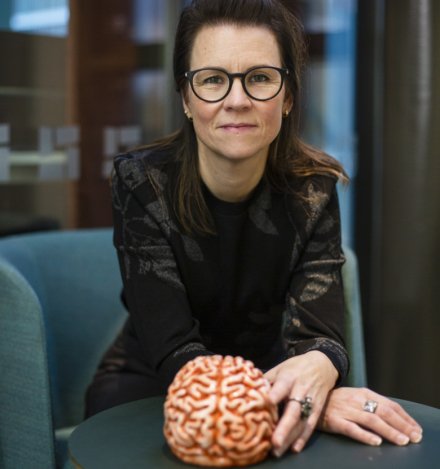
(213,80)
(259,78)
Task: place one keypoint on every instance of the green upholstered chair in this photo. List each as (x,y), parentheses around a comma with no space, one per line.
(353,321)
(59,310)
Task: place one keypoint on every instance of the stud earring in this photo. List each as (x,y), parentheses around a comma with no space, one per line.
(285,113)
(188,115)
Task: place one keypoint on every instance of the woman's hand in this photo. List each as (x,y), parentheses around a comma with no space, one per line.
(309,375)
(344,414)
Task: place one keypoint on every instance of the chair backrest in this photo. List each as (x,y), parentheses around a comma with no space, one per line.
(59,310)
(353,320)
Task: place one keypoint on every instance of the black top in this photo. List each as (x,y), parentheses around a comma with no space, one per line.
(266,286)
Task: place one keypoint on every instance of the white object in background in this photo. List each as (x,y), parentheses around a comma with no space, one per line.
(4,152)
(67,138)
(116,139)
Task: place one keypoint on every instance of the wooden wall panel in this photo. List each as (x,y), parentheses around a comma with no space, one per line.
(102,62)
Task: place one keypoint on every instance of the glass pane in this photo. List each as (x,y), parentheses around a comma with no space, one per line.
(46,17)
(330,90)
(39,151)
(89,79)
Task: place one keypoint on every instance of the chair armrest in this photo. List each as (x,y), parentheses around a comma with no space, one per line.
(26,433)
(353,321)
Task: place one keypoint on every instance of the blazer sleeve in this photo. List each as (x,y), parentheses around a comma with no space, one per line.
(315,309)
(155,295)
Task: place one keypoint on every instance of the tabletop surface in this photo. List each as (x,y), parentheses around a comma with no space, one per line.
(131,436)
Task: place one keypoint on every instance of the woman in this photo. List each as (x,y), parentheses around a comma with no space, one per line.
(228,231)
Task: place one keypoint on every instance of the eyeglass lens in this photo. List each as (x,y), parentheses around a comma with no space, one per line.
(213,84)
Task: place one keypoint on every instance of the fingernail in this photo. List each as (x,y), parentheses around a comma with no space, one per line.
(402,440)
(278,452)
(298,447)
(376,441)
(416,437)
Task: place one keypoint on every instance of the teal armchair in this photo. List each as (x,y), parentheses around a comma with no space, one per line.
(59,310)
(353,321)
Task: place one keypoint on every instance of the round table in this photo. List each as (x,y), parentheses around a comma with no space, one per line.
(130,436)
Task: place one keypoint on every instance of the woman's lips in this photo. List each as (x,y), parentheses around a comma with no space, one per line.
(237,127)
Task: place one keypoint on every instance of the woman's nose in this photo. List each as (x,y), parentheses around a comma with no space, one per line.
(237,96)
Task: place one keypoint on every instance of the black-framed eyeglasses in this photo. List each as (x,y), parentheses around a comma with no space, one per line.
(214,84)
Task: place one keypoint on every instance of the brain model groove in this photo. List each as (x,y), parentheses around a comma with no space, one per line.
(217,412)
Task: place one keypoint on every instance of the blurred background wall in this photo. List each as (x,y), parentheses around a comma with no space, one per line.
(398,193)
(82,80)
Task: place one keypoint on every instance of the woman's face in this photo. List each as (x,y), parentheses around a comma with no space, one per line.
(238,127)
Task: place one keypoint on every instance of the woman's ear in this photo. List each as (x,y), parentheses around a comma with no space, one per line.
(185,103)
(186,109)
(288,104)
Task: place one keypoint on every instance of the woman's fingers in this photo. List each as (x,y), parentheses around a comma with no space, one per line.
(295,428)
(344,413)
(384,428)
(398,418)
(368,429)
(280,390)
(311,375)
(352,430)
(290,425)
(392,421)
(288,428)
(396,425)
(303,438)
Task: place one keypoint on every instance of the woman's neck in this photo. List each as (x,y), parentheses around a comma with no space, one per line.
(231,180)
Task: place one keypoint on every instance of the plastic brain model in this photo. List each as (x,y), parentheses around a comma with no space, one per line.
(217,412)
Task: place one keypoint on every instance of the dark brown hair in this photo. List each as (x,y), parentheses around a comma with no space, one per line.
(288,155)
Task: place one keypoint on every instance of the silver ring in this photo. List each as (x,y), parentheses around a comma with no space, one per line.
(370,406)
(306,406)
